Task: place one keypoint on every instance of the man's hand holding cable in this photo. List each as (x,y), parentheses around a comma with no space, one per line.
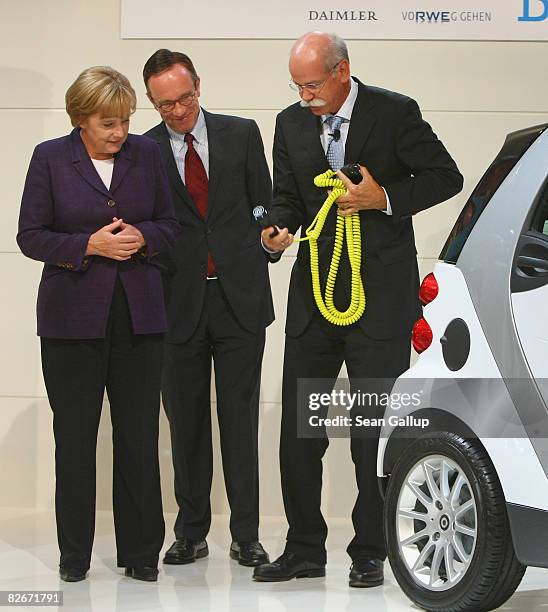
(367,195)
(277,243)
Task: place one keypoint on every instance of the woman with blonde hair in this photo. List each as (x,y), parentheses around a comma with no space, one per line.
(96,210)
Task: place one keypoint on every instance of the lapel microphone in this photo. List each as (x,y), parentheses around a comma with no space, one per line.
(336,135)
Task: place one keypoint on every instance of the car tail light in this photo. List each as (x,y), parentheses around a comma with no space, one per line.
(429,289)
(422,335)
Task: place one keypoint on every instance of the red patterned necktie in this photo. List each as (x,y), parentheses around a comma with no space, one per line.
(197,185)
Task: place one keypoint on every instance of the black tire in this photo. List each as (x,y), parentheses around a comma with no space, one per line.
(493,572)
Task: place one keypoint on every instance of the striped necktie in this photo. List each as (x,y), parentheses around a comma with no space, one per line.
(335,149)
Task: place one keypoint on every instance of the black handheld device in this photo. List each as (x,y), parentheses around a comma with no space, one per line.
(263,218)
(352,171)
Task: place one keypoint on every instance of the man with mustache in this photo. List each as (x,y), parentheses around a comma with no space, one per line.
(218,304)
(405,169)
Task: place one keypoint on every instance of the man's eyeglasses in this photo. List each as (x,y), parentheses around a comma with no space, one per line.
(168,105)
(313,87)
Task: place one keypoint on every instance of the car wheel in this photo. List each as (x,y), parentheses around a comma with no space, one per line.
(448,536)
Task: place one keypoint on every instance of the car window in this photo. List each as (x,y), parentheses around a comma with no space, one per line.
(540,220)
(513,149)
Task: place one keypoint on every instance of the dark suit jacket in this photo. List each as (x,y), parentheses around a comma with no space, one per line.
(239,180)
(388,135)
(64,202)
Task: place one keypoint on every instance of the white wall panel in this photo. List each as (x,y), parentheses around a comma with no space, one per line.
(20,356)
(26,453)
(68,35)
(271,387)
(22,129)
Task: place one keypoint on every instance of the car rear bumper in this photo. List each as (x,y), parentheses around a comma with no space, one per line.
(529,527)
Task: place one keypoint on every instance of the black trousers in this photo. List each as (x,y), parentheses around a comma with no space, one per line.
(319,353)
(237,357)
(76,373)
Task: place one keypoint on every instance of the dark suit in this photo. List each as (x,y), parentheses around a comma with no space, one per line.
(101,323)
(223,319)
(387,135)
(63,203)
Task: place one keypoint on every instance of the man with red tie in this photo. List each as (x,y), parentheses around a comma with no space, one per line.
(218,302)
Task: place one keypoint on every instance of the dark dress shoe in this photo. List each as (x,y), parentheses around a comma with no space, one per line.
(68,574)
(249,554)
(186,551)
(286,567)
(366,573)
(147,574)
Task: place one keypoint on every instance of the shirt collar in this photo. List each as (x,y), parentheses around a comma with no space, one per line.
(199,131)
(348,105)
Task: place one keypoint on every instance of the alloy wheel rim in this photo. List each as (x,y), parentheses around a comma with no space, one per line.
(436,523)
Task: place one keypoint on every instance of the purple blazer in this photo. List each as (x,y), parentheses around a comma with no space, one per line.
(64,202)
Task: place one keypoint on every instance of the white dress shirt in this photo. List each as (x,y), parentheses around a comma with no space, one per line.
(104,169)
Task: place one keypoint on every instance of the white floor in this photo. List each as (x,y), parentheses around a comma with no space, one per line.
(29,559)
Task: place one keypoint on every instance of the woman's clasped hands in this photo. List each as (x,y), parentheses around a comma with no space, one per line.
(117,240)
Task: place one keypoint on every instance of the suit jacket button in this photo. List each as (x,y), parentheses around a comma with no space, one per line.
(111,203)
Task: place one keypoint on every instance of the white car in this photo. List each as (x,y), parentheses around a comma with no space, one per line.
(465,467)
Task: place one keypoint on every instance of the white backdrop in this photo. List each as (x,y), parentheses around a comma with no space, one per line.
(357,19)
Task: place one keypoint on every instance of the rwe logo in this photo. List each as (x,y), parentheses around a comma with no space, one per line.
(427,16)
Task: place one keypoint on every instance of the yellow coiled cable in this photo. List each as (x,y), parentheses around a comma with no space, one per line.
(351,226)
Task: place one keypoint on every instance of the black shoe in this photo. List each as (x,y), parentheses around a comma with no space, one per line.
(147,574)
(249,554)
(286,567)
(366,573)
(186,551)
(69,574)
